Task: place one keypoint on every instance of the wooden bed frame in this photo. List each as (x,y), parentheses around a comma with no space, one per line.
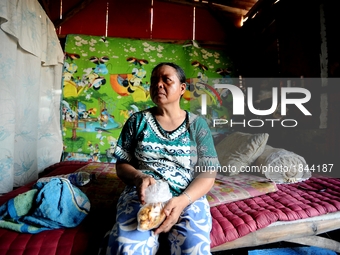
(300,231)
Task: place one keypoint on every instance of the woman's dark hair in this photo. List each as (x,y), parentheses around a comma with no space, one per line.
(179,70)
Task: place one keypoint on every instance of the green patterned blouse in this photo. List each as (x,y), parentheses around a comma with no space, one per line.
(174,156)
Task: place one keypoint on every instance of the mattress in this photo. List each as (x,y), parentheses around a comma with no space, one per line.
(314,197)
(231,221)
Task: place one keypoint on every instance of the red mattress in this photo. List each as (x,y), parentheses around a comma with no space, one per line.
(84,239)
(313,197)
(316,196)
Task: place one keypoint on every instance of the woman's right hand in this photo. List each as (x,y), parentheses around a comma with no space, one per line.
(135,177)
(142,181)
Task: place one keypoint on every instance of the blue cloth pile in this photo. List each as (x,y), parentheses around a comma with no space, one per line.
(48,205)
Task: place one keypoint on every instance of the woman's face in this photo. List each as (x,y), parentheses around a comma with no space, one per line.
(165,86)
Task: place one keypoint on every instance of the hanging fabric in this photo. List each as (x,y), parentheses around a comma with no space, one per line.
(30,84)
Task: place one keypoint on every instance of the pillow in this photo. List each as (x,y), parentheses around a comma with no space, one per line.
(238,150)
(282,166)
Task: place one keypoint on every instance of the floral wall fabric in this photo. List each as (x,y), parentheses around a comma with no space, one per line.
(105,80)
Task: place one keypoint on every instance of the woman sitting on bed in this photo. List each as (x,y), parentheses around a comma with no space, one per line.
(165,142)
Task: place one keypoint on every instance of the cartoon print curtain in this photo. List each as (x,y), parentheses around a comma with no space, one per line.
(105,80)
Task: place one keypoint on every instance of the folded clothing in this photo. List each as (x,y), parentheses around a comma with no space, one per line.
(48,205)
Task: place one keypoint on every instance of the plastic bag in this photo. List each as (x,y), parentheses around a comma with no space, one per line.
(77,178)
(151,215)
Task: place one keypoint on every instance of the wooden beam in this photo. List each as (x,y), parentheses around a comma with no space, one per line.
(258,6)
(242,4)
(205,4)
(230,9)
(73,11)
(194,4)
(318,241)
(286,232)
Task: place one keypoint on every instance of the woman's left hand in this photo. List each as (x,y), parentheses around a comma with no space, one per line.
(172,210)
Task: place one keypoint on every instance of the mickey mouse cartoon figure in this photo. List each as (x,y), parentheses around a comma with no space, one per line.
(97,81)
